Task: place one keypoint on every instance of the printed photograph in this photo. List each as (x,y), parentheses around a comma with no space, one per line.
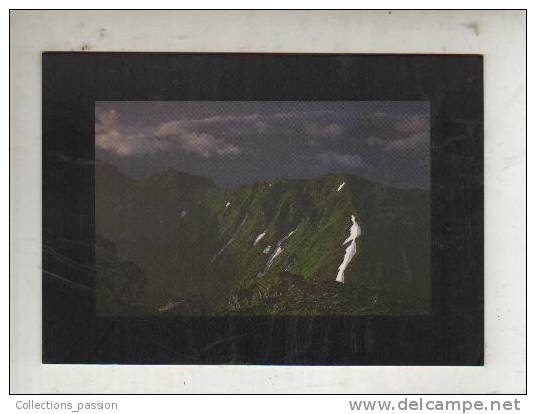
(262,208)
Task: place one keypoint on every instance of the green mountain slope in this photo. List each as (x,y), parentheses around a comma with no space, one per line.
(204,249)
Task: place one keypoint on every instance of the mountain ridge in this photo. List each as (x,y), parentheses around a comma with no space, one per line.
(192,237)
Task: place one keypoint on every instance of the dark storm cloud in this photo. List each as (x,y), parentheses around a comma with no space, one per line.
(329,159)
(241,142)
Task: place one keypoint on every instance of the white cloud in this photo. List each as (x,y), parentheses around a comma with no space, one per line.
(373,141)
(106,120)
(326,131)
(413,133)
(113,141)
(411,142)
(112,137)
(414,124)
(175,135)
(299,114)
(416,130)
(218,119)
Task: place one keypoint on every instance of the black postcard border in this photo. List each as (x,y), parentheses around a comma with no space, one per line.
(453,335)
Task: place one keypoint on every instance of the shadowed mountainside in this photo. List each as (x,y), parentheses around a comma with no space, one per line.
(205,250)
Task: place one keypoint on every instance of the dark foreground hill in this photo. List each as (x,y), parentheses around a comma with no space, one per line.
(336,244)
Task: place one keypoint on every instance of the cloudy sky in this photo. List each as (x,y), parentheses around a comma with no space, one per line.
(242,142)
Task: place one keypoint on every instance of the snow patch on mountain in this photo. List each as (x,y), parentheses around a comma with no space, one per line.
(276,253)
(169,306)
(278,250)
(341,186)
(183,213)
(351,250)
(227,204)
(231,239)
(259,238)
(267,249)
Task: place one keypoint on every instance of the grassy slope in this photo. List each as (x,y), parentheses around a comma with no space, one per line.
(284,293)
(183,257)
(313,208)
